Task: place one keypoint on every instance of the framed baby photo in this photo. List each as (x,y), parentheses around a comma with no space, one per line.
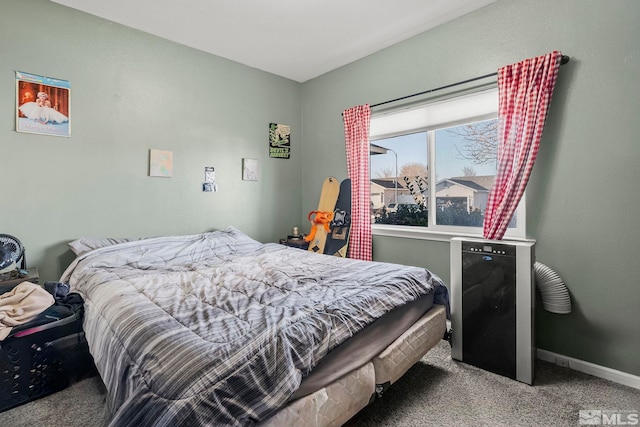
(42,105)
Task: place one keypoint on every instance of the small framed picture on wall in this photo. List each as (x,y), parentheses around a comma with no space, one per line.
(279,141)
(161,163)
(250,169)
(42,105)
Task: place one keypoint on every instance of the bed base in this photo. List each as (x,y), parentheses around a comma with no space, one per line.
(336,403)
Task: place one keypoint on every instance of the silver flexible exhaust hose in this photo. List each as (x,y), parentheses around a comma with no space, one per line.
(555,295)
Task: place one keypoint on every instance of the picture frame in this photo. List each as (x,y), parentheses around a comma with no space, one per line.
(279,141)
(161,163)
(250,169)
(43,105)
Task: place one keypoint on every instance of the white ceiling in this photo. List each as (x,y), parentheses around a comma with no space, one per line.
(296,39)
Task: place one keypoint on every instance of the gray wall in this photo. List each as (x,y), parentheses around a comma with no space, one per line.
(131,92)
(582,198)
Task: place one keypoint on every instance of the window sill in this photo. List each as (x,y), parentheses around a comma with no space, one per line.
(422,233)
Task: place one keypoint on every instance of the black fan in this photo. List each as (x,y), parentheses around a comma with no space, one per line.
(15,248)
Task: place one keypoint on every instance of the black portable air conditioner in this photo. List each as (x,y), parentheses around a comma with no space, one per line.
(492,301)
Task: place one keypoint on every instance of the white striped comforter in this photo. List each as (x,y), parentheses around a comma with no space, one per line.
(218,329)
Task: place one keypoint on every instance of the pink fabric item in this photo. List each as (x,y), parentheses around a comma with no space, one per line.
(525,91)
(21,304)
(356,134)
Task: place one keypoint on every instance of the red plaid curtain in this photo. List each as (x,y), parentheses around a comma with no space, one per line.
(356,135)
(525,92)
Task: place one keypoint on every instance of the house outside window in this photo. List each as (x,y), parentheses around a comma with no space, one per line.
(434,165)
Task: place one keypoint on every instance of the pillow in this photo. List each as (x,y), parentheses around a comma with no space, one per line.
(85,244)
(230,241)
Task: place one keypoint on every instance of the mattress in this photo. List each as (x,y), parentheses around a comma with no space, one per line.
(405,351)
(363,346)
(340,400)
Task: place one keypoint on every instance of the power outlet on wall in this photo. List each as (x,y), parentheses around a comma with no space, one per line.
(562,361)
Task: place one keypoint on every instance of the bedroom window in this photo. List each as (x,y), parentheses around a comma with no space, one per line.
(432,167)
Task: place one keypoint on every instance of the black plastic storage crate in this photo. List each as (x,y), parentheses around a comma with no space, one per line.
(43,356)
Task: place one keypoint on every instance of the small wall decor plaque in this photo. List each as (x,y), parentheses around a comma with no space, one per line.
(250,169)
(161,163)
(279,141)
(209,185)
(42,105)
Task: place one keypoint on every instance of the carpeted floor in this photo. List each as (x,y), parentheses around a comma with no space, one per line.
(441,392)
(437,391)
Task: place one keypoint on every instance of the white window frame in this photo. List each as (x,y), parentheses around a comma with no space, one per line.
(429,117)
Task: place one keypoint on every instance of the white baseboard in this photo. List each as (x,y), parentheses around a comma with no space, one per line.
(590,368)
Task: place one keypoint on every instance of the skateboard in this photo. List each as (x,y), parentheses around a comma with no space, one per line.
(321,218)
(338,239)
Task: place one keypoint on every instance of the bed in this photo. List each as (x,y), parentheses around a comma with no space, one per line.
(219,329)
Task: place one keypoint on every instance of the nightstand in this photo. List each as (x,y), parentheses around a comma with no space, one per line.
(293,242)
(8,282)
